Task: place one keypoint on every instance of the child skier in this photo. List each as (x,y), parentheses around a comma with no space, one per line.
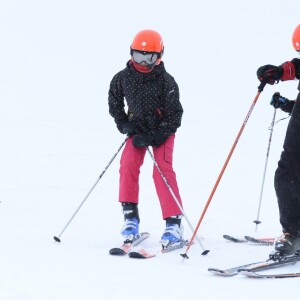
(287,175)
(153,116)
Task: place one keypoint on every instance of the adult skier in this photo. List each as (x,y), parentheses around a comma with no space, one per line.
(287,175)
(153,116)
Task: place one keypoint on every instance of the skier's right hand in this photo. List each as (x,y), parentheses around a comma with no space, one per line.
(278,101)
(128,128)
(270,73)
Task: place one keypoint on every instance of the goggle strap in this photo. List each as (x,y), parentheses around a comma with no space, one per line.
(159,55)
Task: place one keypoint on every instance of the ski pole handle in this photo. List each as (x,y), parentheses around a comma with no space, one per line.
(262,84)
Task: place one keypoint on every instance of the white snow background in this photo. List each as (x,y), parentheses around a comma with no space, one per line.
(56,62)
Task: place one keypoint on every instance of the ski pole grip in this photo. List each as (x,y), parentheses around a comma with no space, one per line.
(262,84)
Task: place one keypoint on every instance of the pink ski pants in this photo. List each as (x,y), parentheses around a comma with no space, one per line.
(132,159)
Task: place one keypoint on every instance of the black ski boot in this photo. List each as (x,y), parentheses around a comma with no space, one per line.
(287,244)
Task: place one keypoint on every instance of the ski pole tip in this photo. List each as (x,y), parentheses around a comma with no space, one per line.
(184,255)
(56,239)
(205,252)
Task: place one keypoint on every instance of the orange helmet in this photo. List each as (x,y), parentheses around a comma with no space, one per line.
(296,38)
(148,41)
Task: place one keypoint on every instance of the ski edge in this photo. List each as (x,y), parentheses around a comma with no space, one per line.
(260,241)
(252,274)
(247,238)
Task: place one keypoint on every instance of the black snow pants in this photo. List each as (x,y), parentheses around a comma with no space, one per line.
(287,176)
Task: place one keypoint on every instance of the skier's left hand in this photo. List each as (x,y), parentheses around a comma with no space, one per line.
(142,140)
(159,139)
(278,101)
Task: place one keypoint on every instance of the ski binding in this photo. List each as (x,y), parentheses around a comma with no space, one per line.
(129,244)
(168,246)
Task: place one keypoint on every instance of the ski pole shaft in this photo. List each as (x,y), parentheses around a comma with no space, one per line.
(176,200)
(260,89)
(57,238)
(257,221)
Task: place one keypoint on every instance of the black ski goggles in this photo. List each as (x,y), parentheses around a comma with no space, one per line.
(148,58)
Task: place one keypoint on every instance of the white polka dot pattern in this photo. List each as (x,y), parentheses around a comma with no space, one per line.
(152,100)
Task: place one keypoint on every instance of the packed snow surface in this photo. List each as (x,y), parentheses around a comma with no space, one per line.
(56,62)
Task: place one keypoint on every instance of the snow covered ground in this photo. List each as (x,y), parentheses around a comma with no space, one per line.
(56,61)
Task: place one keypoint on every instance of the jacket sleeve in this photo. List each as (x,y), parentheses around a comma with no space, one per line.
(116,101)
(288,108)
(296,63)
(173,109)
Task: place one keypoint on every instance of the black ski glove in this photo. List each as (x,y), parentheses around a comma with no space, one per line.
(142,140)
(270,73)
(283,103)
(159,139)
(278,101)
(146,140)
(128,128)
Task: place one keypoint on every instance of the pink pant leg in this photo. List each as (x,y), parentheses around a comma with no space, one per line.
(164,158)
(131,160)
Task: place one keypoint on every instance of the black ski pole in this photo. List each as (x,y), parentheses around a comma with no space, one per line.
(57,238)
(257,221)
(176,200)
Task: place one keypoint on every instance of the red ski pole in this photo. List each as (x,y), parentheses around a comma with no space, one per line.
(260,89)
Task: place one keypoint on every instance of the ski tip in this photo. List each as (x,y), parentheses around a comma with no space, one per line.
(215,270)
(136,255)
(117,252)
(141,253)
(205,252)
(56,239)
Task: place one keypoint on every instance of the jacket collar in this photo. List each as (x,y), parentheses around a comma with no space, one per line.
(157,71)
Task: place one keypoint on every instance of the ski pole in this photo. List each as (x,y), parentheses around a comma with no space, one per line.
(176,200)
(260,89)
(57,238)
(257,221)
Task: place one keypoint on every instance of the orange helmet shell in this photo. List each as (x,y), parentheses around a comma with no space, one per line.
(296,38)
(149,41)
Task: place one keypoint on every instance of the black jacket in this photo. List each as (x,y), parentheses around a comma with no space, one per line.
(152,100)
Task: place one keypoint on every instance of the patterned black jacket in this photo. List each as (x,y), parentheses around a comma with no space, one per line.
(152,100)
